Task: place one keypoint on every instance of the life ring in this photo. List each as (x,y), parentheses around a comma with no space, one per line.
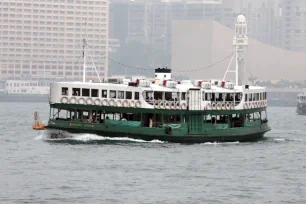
(213,106)
(138,104)
(183,106)
(64,100)
(81,101)
(227,106)
(105,103)
(125,104)
(89,101)
(169,130)
(161,105)
(112,103)
(119,104)
(223,106)
(167,105)
(156,104)
(232,106)
(132,104)
(97,102)
(172,105)
(72,100)
(208,106)
(219,106)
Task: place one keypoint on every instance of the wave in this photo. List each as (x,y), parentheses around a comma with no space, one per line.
(288,139)
(92,138)
(221,143)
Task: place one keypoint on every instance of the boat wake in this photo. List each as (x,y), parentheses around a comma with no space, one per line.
(88,138)
(288,140)
(221,143)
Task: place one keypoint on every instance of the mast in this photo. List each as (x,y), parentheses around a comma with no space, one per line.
(84,60)
(240,42)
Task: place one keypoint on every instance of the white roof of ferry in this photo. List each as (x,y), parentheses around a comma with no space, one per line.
(158,87)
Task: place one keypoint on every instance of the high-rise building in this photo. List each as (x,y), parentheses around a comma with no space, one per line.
(294,25)
(43,39)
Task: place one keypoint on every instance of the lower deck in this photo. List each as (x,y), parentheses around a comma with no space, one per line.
(177,126)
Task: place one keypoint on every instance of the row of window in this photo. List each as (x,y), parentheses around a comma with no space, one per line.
(255,97)
(104,93)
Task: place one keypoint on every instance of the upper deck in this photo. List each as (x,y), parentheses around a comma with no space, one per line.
(152,94)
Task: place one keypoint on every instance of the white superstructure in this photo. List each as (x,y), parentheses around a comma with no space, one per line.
(170,94)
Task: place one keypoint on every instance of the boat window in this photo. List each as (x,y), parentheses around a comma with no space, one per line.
(257,96)
(64,91)
(183,96)
(85,92)
(203,96)
(76,91)
(246,97)
(213,97)
(104,93)
(94,93)
(219,97)
(168,96)
(238,97)
(120,94)
(158,95)
(128,95)
(254,98)
(112,94)
(149,95)
(136,96)
(206,96)
(250,97)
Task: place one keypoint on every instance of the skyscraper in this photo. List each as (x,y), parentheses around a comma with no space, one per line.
(294,25)
(43,39)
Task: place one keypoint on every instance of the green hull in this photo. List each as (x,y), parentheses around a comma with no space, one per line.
(178,135)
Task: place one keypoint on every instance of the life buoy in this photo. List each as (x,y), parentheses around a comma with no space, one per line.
(156,104)
(167,105)
(227,106)
(89,101)
(177,104)
(72,100)
(183,106)
(132,104)
(223,106)
(138,104)
(219,106)
(64,100)
(161,105)
(112,103)
(208,106)
(105,102)
(125,103)
(213,106)
(97,102)
(173,106)
(169,130)
(119,104)
(232,106)
(81,101)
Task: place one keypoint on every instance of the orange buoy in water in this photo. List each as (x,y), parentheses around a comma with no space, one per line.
(38,125)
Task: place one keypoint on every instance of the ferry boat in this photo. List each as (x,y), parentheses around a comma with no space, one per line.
(301,104)
(161,108)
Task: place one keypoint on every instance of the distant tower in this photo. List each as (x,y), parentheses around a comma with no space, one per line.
(240,42)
